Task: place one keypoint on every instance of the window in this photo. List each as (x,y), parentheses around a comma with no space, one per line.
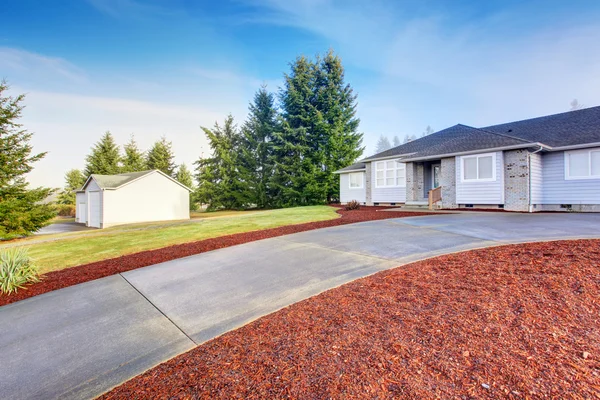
(389,174)
(582,164)
(481,167)
(356,180)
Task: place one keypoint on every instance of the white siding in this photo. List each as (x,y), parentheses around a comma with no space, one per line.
(490,192)
(80,207)
(151,198)
(93,187)
(347,194)
(385,194)
(557,190)
(536,178)
(94,209)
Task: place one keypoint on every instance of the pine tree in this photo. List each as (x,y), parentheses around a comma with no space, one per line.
(161,157)
(219,183)
(21,211)
(256,148)
(74,180)
(104,158)
(383,144)
(293,181)
(299,155)
(336,103)
(319,109)
(184,176)
(134,160)
(397,141)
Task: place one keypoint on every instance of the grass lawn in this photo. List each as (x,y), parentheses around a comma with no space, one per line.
(55,252)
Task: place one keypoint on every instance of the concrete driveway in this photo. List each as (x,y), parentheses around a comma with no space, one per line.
(81,341)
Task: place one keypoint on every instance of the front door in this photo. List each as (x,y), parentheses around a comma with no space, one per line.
(436,171)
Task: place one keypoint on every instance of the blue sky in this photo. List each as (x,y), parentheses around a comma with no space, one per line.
(167,67)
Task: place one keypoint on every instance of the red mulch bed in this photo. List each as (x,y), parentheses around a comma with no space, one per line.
(100,269)
(518,321)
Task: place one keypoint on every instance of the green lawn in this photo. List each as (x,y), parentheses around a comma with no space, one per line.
(55,252)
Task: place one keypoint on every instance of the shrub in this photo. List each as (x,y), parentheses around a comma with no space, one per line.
(16,270)
(65,210)
(352,205)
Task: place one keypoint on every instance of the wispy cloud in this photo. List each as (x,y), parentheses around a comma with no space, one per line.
(133,8)
(37,66)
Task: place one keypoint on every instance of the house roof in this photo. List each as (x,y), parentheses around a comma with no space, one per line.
(571,128)
(112,182)
(564,129)
(456,139)
(354,167)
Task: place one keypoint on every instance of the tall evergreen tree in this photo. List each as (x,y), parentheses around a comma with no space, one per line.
(21,211)
(397,141)
(256,148)
(104,158)
(184,176)
(134,160)
(161,157)
(74,180)
(293,181)
(219,180)
(336,103)
(300,147)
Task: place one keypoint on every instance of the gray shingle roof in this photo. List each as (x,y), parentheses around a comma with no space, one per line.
(115,181)
(456,139)
(565,129)
(353,167)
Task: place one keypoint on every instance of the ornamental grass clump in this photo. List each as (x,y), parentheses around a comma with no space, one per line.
(16,270)
(352,205)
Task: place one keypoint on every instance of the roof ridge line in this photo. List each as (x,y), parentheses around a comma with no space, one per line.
(544,116)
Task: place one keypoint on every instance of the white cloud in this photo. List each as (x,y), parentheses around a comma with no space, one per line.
(33,66)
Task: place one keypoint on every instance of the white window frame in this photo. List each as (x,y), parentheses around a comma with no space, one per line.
(397,166)
(478,156)
(362,180)
(589,152)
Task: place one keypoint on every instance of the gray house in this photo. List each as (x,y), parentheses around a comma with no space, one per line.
(548,163)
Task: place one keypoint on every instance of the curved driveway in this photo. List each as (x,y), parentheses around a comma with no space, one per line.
(80,341)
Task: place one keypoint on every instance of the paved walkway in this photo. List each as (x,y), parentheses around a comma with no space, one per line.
(79,342)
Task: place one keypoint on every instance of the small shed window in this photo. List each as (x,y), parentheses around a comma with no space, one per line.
(356,180)
(582,164)
(479,167)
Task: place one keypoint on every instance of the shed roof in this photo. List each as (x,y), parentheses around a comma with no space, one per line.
(112,182)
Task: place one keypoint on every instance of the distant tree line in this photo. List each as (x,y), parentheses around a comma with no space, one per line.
(286,151)
(106,158)
(384,143)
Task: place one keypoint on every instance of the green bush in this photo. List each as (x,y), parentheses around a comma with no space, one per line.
(65,210)
(16,270)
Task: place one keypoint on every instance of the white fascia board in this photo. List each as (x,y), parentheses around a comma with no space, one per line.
(575,146)
(480,151)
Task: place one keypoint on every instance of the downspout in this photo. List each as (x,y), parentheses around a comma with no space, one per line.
(530,205)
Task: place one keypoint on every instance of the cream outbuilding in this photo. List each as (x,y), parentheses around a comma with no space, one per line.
(107,200)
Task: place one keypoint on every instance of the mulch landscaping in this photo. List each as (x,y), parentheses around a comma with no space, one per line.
(517,321)
(100,269)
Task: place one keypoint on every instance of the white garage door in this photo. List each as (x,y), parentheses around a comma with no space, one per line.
(82,213)
(94,209)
